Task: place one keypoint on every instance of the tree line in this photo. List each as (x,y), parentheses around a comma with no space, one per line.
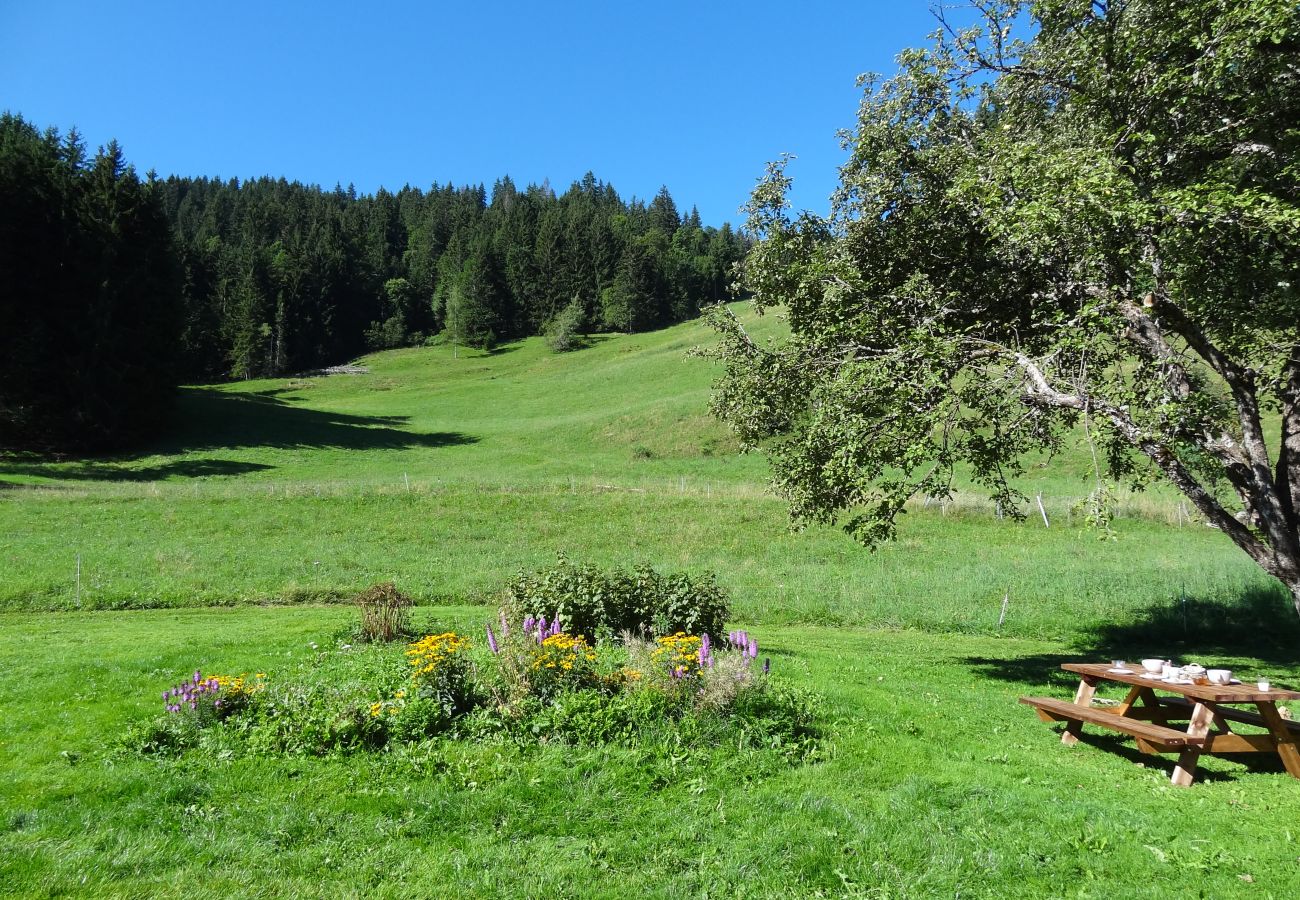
(281,277)
(114,288)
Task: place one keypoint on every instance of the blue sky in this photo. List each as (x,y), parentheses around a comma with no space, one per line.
(697,96)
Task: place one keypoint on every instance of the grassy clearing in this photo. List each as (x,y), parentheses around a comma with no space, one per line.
(934,783)
(447,471)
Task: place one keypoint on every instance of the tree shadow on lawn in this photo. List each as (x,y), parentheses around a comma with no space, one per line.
(1122,746)
(1260,624)
(214,420)
(95,471)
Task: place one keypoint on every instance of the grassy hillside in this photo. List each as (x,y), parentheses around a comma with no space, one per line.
(448,470)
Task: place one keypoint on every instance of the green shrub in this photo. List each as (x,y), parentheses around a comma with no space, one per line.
(600,604)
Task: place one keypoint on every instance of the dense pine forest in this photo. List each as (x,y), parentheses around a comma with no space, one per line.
(116,286)
(282,277)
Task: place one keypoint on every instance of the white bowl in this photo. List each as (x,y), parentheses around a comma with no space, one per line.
(1219,676)
(1153,665)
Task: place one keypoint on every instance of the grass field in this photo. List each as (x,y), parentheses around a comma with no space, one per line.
(934,782)
(448,471)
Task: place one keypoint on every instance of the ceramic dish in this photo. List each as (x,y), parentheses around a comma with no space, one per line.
(1121,671)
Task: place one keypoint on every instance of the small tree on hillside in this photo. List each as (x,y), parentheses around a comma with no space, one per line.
(1099,226)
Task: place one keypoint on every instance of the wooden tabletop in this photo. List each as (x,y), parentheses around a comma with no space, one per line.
(1246,692)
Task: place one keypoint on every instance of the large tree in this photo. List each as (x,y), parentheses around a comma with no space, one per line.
(1095,225)
(89,295)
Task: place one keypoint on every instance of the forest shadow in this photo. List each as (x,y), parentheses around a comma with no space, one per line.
(216,420)
(102,471)
(1259,624)
(213,420)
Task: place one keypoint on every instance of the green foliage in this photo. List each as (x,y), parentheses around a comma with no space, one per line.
(89,318)
(565,332)
(1096,226)
(923,730)
(282,277)
(595,602)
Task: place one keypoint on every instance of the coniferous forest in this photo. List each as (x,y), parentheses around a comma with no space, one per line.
(117,287)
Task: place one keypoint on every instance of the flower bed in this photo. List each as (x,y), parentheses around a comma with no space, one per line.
(526,682)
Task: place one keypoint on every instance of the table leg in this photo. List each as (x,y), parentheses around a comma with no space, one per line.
(1082,697)
(1284,737)
(1199,727)
(1133,694)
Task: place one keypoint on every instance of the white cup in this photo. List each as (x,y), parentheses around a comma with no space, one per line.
(1170,671)
(1262,684)
(1219,676)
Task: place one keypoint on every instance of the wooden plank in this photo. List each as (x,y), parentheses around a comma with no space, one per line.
(1064,711)
(1199,727)
(1082,697)
(1231,742)
(1283,735)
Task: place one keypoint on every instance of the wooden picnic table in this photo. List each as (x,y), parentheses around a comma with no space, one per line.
(1147,716)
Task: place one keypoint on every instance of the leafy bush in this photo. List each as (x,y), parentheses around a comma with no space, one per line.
(564,331)
(601,604)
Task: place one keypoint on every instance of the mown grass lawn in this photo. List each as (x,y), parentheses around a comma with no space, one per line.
(932,781)
(447,472)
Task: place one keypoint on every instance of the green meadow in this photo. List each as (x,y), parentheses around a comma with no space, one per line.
(229,543)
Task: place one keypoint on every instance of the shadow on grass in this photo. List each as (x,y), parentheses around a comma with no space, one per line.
(1122,746)
(214,420)
(1259,624)
(184,468)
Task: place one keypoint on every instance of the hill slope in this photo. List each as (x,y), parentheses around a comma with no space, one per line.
(448,470)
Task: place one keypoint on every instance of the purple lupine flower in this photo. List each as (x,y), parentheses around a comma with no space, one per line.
(165,696)
(752,649)
(555,626)
(704,642)
(492,639)
(528,624)
(197,675)
(702,655)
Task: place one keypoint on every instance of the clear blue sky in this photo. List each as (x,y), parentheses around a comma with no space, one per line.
(697,96)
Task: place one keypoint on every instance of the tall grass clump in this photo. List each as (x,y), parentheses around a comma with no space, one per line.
(384,616)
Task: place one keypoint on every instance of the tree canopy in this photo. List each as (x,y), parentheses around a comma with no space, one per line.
(1068,214)
(89,281)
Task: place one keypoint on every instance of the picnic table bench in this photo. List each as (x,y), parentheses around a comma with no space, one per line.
(1147,717)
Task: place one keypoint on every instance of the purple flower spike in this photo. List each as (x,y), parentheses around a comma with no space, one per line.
(752,649)
(704,643)
(197,675)
(767,664)
(492,639)
(193,705)
(555,626)
(165,696)
(529,622)
(702,655)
